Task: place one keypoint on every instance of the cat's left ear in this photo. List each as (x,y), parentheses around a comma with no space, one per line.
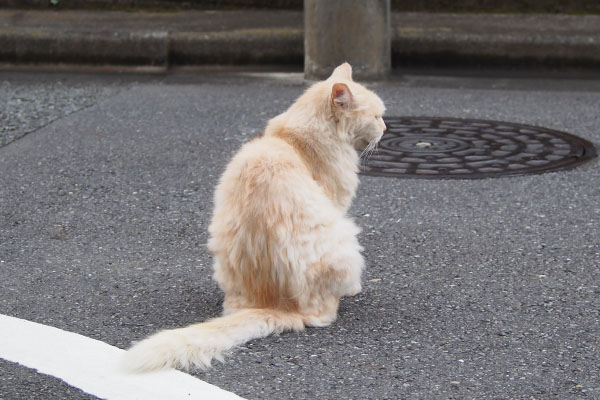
(341,96)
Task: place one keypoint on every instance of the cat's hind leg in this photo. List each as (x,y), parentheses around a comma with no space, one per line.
(322,315)
(346,258)
(337,272)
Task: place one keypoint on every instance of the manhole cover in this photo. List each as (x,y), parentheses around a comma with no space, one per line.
(415,147)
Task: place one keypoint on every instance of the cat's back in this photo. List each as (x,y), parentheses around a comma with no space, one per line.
(264,161)
(266,178)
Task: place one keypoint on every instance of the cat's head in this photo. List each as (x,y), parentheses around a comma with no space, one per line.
(357,108)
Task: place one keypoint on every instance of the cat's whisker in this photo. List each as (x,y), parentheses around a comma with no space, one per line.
(375,149)
(369,150)
(363,152)
(367,153)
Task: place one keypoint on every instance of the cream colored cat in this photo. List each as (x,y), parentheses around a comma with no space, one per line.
(284,249)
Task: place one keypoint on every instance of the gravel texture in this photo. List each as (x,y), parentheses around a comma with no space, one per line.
(33,102)
(25,383)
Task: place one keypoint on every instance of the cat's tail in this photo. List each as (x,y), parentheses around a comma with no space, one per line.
(197,345)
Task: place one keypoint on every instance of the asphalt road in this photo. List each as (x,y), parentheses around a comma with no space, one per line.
(486,289)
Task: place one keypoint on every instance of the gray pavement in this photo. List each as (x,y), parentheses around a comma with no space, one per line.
(30,105)
(484,289)
(194,37)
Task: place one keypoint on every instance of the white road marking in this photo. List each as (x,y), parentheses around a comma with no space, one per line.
(91,365)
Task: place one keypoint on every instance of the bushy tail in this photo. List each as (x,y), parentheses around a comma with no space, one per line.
(197,345)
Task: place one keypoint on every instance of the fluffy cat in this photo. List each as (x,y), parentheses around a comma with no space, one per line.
(284,249)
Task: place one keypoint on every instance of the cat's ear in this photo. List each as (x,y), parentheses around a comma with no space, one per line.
(341,96)
(343,71)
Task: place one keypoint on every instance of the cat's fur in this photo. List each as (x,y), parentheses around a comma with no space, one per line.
(284,249)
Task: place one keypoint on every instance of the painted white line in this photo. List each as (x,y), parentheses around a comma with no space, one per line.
(91,365)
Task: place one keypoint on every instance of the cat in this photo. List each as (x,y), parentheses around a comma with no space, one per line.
(284,249)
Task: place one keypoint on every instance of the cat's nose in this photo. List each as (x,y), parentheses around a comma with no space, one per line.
(384,127)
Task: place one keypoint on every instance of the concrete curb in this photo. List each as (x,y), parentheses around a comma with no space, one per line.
(497,50)
(266,46)
(153,48)
(242,38)
(498,39)
(126,48)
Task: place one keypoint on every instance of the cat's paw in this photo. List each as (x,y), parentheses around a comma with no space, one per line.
(353,290)
(319,321)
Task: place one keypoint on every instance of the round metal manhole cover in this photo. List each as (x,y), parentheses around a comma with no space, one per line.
(424,147)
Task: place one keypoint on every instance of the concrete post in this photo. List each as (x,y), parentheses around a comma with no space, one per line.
(356,31)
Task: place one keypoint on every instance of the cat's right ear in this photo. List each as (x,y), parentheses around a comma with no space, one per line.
(343,71)
(341,97)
